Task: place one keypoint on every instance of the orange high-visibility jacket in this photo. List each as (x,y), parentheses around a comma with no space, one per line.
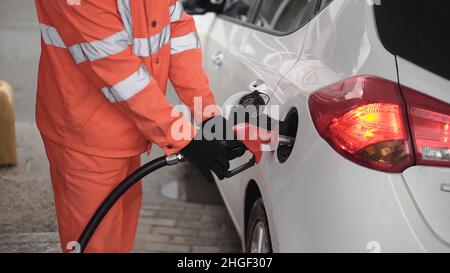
(104,69)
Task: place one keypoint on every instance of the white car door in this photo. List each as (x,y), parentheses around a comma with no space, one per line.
(262,49)
(215,42)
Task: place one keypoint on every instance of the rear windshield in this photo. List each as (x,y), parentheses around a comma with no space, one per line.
(418,31)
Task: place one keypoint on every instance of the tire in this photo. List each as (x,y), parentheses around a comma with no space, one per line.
(255,242)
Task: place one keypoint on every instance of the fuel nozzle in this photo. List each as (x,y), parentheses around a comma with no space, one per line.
(257,141)
(286,141)
(254,126)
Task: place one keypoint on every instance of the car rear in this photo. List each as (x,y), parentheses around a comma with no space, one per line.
(370,164)
(417,33)
(401,127)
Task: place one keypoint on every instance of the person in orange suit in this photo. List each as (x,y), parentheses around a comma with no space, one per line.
(101,102)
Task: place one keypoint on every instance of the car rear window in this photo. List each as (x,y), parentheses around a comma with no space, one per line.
(418,31)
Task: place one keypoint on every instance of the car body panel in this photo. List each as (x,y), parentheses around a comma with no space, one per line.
(427,187)
(318,201)
(422,80)
(215,39)
(334,50)
(259,56)
(427,184)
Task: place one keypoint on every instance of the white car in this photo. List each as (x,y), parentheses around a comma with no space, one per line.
(364,87)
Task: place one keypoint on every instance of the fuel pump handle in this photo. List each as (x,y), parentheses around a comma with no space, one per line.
(253,138)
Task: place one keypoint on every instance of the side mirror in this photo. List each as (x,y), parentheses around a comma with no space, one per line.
(198,7)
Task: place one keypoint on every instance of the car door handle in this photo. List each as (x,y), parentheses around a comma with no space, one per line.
(218,58)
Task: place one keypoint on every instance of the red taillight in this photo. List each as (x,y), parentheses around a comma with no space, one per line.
(368,125)
(430,126)
(363,119)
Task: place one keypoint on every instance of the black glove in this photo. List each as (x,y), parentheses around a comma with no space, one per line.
(213,148)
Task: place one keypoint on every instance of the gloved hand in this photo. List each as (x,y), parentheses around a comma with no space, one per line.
(211,150)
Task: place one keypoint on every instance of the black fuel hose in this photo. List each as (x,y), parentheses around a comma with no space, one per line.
(122,188)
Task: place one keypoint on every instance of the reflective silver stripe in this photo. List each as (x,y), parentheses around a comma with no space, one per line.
(176,11)
(51,36)
(124,8)
(101,48)
(145,47)
(128,87)
(183,43)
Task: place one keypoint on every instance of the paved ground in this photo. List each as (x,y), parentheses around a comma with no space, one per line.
(181,213)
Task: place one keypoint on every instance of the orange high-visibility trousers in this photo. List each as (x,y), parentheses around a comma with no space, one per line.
(80,183)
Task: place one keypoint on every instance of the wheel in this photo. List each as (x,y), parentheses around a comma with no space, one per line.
(257,239)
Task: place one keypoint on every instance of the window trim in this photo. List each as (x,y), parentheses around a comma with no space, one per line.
(322,7)
(250,23)
(252,16)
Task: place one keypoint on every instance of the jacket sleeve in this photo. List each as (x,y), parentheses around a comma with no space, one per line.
(99,41)
(186,69)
